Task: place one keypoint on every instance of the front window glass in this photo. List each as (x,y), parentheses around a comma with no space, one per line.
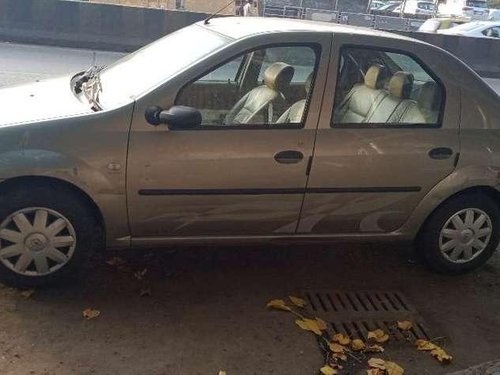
(379,87)
(140,71)
(477,4)
(267,87)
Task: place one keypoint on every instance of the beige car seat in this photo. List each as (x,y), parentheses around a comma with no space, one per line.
(294,114)
(258,106)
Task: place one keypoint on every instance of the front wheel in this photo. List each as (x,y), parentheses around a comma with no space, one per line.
(461,235)
(46,233)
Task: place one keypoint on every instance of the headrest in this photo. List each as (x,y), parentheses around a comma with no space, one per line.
(308,83)
(372,77)
(278,76)
(401,84)
(428,97)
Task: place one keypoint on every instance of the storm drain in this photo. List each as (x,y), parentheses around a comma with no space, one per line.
(356,313)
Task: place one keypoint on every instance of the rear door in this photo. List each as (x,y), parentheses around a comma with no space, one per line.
(367,177)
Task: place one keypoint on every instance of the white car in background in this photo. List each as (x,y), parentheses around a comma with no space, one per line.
(376,4)
(494,14)
(473,9)
(417,7)
(478,29)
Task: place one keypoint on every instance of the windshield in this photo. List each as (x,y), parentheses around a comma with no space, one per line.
(155,63)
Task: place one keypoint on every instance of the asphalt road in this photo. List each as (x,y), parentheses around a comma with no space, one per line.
(203,309)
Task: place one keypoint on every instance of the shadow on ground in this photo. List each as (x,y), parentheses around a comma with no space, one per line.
(206,312)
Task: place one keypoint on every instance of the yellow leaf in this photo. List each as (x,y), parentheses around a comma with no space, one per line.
(393,368)
(441,355)
(299,302)
(28,293)
(341,339)
(425,345)
(376,363)
(357,345)
(378,336)
(90,313)
(374,349)
(327,370)
(309,325)
(337,348)
(278,304)
(404,325)
(321,324)
(374,371)
(222,373)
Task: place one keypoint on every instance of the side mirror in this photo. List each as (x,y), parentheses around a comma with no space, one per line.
(176,118)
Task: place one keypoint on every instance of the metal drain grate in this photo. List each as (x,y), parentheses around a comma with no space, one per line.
(356,313)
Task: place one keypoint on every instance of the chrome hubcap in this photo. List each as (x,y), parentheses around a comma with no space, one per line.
(465,235)
(36,241)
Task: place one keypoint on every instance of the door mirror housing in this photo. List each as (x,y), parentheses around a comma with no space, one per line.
(178,117)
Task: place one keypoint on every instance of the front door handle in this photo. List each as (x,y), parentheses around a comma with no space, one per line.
(440,153)
(289,157)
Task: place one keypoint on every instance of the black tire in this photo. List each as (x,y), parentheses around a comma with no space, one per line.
(429,237)
(74,208)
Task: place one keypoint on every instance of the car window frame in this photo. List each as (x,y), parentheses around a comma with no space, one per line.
(367,125)
(317,49)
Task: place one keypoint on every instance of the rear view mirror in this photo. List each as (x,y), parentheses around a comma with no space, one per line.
(176,118)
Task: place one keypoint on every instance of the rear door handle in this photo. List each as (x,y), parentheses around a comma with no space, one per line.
(440,153)
(289,157)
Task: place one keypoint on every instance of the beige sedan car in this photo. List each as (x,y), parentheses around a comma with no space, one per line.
(236,130)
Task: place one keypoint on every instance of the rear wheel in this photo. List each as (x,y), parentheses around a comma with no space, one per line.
(46,233)
(461,235)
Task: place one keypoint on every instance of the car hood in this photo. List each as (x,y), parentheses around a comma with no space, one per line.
(42,100)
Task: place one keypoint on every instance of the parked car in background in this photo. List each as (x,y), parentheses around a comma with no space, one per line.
(432,25)
(258,130)
(386,10)
(478,29)
(494,15)
(375,4)
(416,7)
(473,9)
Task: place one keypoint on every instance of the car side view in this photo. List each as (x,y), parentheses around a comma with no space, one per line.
(239,129)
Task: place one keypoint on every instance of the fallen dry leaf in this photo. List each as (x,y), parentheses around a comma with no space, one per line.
(299,302)
(341,339)
(377,363)
(392,368)
(405,325)
(321,324)
(309,325)
(145,292)
(375,371)
(115,262)
(357,345)
(139,275)
(90,313)
(278,304)
(378,336)
(373,349)
(337,348)
(222,373)
(340,356)
(327,370)
(441,355)
(425,345)
(28,293)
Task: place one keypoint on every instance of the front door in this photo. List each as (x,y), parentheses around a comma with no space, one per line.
(243,171)
(389,133)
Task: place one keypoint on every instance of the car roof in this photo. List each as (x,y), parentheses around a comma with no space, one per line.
(241,27)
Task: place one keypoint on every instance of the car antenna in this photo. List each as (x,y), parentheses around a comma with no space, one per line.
(207,20)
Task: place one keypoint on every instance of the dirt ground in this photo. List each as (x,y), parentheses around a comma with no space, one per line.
(206,312)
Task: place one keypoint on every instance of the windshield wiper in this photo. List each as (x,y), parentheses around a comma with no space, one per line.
(89,82)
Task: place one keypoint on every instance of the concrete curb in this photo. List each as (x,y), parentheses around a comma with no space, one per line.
(487,368)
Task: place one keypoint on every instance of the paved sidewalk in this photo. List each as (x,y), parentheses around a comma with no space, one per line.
(487,368)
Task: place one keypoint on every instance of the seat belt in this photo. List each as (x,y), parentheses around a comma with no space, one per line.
(270,113)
